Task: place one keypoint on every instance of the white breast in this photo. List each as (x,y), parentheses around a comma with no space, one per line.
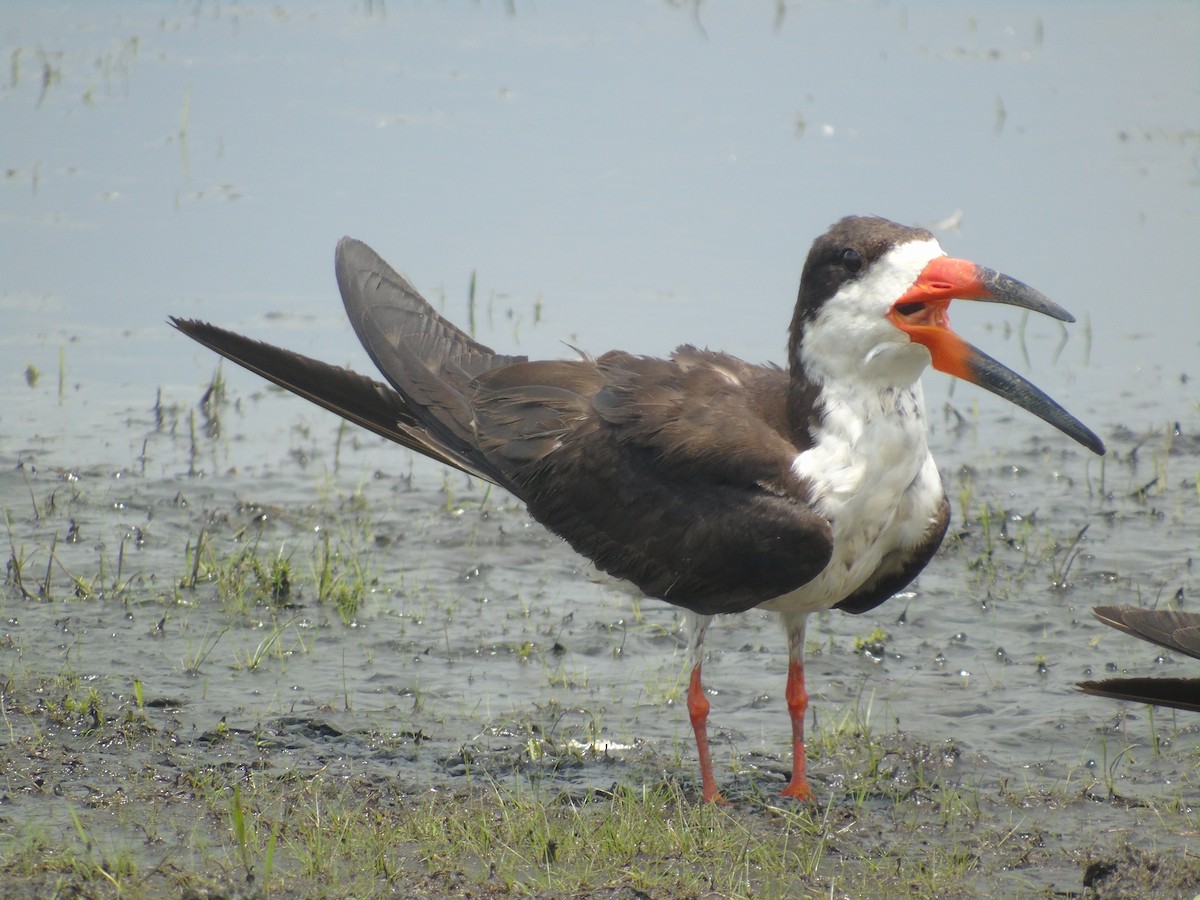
(876,483)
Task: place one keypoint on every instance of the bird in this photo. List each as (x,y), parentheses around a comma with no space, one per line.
(1174,629)
(714,484)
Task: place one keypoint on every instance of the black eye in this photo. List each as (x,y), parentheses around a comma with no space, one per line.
(851,259)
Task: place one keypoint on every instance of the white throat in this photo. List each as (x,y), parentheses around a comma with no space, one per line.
(868,442)
(851,340)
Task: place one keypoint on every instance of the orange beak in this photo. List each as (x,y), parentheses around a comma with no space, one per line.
(921,314)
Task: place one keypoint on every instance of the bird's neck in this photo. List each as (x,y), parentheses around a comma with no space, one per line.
(854,404)
(860,433)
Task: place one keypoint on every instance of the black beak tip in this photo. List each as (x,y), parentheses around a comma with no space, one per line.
(1073,428)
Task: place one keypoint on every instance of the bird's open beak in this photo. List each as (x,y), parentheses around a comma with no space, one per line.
(921,314)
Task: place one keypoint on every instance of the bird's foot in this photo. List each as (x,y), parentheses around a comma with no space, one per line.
(798,789)
(714,796)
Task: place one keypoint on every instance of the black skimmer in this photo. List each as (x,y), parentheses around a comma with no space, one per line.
(1178,631)
(705,481)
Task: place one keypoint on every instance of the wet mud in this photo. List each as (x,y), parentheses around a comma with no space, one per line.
(338,613)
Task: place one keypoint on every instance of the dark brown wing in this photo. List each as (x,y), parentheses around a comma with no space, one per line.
(427,359)
(1175,630)
(1168,628)
(673,474)
(1181,693)
(398,327)
(896,572)
(645,466)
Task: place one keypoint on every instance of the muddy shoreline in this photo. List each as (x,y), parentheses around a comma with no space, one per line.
(430,646)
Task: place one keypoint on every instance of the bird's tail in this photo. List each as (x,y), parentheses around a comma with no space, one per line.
(362,400)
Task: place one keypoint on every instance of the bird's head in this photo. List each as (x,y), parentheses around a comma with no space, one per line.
(873,309)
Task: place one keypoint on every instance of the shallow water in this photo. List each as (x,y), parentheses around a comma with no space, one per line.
(633,175)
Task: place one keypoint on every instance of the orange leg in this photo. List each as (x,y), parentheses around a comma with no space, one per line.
(698,711)
(797,703)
